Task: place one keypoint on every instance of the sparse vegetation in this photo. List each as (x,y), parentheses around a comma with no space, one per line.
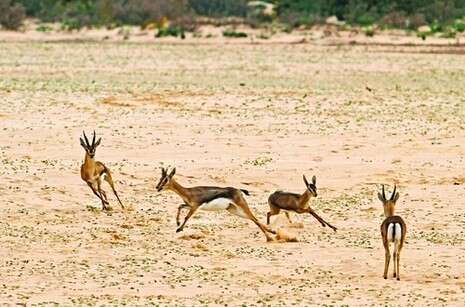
(234,34)
(183,13)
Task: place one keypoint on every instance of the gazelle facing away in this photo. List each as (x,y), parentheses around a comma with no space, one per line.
(92,171)
(210,199)
(393,230)
(298,203)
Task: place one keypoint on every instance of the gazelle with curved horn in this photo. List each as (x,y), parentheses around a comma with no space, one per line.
(210,199)
(297,203)
(92,171)
(393,230)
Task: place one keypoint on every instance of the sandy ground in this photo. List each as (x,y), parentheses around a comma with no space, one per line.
(254,116)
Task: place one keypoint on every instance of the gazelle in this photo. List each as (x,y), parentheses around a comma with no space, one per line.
(297,203)
(210,199)
(92,171)
(393,230)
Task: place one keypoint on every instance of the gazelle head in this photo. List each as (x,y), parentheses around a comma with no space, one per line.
(388,204)
(165,180)
(89,148)
(311,187)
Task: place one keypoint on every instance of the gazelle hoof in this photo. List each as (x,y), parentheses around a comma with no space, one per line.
(179,230)
(398,278)
(385,277)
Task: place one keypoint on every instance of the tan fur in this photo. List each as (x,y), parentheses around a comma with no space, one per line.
(92,172)
(192,197)
(389,208)
(297,203)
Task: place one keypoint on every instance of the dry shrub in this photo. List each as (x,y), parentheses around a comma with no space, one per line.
(11,15)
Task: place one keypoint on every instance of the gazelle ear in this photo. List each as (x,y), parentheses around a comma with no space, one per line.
(396,197)
(305,180)
(314,180)
(98,142)
(172,172)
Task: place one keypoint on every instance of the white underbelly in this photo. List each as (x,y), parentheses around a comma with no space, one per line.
(216,204)
(394,232)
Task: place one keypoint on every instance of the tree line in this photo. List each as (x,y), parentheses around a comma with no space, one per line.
(74,14)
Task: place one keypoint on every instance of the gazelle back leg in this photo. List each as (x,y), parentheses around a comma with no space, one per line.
(273,211)
(238,211)
(110,182)
(387,258)
(242,205)
(398,262)
(394,259)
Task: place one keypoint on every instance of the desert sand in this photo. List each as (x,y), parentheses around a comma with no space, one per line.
(242,113)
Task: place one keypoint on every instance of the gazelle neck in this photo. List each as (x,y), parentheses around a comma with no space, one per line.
(304,198)
(179,189)
(88,160)
(389,211)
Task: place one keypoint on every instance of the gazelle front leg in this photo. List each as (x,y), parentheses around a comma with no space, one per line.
(104,202)
(288,217)
(189,214)
(323,222)
(273,211)
(178,215)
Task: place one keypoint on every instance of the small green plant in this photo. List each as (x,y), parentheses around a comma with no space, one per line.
(459,25)
(70,24)
(369,31)
(171,31)
(260,161)
(44,28)
(234,34)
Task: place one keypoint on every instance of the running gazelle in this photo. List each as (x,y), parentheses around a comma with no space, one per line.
(92,171)
(393,230)
(297,203)
(210,199)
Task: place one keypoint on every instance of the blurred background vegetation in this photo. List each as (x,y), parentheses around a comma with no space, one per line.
(185,15)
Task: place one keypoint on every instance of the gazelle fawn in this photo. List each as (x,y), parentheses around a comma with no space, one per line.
(297,203)
(92,171)
(393,230)
(210,199)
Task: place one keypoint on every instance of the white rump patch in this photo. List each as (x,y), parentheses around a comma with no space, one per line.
(216,204)
(394,232)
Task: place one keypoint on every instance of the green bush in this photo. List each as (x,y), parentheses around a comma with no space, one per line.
(459,25)
(171,31)
(234,34)
(11,15)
